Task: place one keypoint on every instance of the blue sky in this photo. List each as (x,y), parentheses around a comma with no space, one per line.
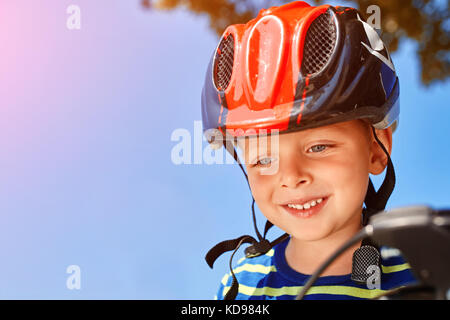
(87,179)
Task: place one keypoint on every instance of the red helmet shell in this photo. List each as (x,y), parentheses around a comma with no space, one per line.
(296,66)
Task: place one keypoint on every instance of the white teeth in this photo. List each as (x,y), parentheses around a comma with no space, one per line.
(306,205)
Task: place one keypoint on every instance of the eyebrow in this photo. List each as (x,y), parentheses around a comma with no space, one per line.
(330,133)
(246,139)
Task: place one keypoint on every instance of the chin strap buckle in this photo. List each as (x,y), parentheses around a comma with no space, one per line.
(258,248)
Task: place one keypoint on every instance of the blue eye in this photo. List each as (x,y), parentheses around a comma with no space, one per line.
(318,148)
(263,161)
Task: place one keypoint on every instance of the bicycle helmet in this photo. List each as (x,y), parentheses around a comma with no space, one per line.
(296,67)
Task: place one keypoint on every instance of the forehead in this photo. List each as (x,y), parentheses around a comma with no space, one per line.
(344,130)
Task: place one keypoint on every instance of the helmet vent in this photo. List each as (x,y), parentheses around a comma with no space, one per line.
(319,43)
(223,67)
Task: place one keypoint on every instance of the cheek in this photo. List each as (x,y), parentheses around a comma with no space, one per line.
(350,180)
(261,187)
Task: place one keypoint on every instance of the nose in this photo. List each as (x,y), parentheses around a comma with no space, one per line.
(294,173)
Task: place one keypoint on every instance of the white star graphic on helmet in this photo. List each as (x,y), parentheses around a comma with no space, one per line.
(376,44)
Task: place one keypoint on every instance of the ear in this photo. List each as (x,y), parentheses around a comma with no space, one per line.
(378,158)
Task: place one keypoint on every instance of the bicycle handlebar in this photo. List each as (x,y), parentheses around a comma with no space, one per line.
(419,232)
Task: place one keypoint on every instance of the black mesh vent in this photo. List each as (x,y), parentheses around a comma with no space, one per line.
(224,62)
(364,257)
(319,43)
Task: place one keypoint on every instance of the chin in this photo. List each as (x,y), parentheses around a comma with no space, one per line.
(309,235)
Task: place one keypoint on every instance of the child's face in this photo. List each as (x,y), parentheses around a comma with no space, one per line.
(331,162)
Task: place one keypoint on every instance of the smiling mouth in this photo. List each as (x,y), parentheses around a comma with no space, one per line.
(306,210)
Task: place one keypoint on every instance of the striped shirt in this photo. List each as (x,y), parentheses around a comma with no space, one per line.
(269,277)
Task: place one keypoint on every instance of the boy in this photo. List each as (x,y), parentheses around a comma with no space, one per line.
(320,80)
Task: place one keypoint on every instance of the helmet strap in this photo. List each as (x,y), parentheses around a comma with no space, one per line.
(368,253)
(376,201)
